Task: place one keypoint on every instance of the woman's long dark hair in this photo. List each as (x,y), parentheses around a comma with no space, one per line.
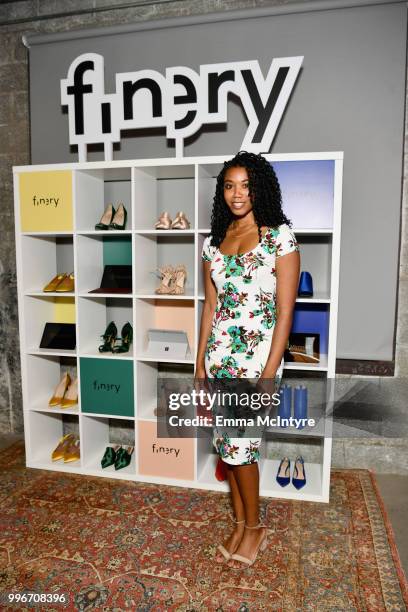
(264,191)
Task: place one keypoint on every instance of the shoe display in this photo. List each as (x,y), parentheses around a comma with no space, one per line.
(71,395)
(119,220)
(127,336)
(109,338)
(180,221)
(72,452)
(63,444)
(179,279)
(166,284)
(109,456)
(67,284)
(164,221)
(123,457)
(53,284)
(262,545)
(283,474)
(299,474)
(106,218)
(60,390)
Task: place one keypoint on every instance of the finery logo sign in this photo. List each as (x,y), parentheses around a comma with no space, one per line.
(181,100)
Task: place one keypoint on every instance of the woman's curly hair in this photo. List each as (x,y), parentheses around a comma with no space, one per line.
(264,191)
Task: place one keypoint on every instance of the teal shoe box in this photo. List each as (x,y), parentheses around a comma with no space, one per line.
(107,386)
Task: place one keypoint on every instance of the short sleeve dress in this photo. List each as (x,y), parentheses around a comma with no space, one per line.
(243,323)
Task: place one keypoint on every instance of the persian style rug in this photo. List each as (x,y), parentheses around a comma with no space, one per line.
(115,545)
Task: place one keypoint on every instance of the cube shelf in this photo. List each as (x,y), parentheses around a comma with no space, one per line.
(121,395)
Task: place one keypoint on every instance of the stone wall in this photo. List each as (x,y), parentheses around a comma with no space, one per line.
(29,16)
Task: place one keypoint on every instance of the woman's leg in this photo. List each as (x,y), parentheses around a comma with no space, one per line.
(247,480)
(238,513)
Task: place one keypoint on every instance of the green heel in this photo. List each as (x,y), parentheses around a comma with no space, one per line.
(123,457)
(109,338)
(127,336)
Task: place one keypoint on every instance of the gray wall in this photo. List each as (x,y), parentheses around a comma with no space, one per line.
(349,97)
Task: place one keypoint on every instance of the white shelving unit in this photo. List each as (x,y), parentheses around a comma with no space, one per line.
(146,187)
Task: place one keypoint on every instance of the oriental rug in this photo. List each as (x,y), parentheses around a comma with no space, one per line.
(115,545)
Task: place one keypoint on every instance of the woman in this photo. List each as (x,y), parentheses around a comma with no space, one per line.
(251,272)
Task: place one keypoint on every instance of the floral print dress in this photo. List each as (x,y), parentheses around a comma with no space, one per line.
(243,323)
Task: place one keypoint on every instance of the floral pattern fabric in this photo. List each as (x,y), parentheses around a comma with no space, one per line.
(244,319)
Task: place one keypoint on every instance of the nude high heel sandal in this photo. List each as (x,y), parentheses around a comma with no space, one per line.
(227,555)
(180,221)
(179,279)
(261,546)
(164,221)
(167,274)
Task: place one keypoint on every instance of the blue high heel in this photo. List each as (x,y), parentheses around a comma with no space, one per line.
(299,482)
(284,480)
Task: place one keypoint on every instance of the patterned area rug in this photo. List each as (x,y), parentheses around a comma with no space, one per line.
(117,545)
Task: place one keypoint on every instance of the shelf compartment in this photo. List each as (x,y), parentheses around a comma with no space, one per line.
(95,189)
(107,386)
(45,431)
(41,310)
(153,251)
(275,447)
(43,258)
(100,432)
(151,400)
(94,253)
(43,375)
(164,314)
(307,188)
(163,188)
(164,457)
(316,258)
(94,315)
(46,201)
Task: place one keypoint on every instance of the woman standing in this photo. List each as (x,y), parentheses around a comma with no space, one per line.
(251,273)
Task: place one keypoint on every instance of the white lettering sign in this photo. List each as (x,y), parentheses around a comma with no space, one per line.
(182,100)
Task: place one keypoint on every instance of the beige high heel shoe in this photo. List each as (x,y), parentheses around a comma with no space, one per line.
(180,221)
(164,221)
(227,555)
(60,390)
(261,546)
(179,279)
(166,284)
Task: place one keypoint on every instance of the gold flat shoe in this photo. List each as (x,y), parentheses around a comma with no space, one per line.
(67,284)
(53,284)
(60,390)
(72,453)
(59,450)
(71,395)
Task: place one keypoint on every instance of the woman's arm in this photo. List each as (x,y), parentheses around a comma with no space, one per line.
(206,319)
(287,282)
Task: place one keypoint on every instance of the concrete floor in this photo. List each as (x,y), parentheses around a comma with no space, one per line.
(393,490)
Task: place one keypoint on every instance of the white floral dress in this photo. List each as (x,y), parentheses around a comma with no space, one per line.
(243,323)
